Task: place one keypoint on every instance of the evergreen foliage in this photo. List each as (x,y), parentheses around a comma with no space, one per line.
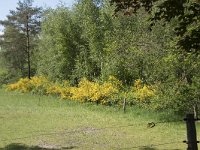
(18,41)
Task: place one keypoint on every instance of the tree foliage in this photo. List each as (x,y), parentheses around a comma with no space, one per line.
(154,42)
(58,45)
(187,13)
(21,29)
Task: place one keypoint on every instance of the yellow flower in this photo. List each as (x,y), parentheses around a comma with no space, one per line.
(143,92)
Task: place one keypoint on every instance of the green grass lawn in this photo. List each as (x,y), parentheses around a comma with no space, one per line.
(40,122)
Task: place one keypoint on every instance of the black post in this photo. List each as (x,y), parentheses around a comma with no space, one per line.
(191,132)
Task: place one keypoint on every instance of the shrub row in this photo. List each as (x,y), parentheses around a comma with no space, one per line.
(107,92)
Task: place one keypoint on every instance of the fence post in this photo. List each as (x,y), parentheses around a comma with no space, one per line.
(191,132)
(124,105)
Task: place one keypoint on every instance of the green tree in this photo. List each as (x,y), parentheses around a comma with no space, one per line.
(186,11)
(58,46)
(22,26)
(13,45)
(87,14)
(135,51)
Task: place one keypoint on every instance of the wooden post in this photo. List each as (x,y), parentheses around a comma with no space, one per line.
(191,132)
(124,105)
(195,108)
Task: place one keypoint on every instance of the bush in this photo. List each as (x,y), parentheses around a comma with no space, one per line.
(6,78)
(89,91)
(179,97)
(59,89)
(37,85)
(107,93)
(142,92)
(95,92)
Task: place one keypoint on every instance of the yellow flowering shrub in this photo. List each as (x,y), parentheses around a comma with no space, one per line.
(143,92)
(83,91)
(22,85)
(93,91)
(59,90)
(29,85)
(138,84)
(38,81)
(86,91)
(54,90)
(108,92)
(115,82)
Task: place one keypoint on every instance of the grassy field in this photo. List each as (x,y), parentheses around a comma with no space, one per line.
(41,122)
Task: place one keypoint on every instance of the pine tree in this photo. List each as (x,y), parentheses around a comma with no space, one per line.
(25,21)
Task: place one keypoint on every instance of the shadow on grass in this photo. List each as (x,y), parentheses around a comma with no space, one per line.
(18,146)
(151,148)
(147,148)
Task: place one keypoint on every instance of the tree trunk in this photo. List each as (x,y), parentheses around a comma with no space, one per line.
(28,48)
